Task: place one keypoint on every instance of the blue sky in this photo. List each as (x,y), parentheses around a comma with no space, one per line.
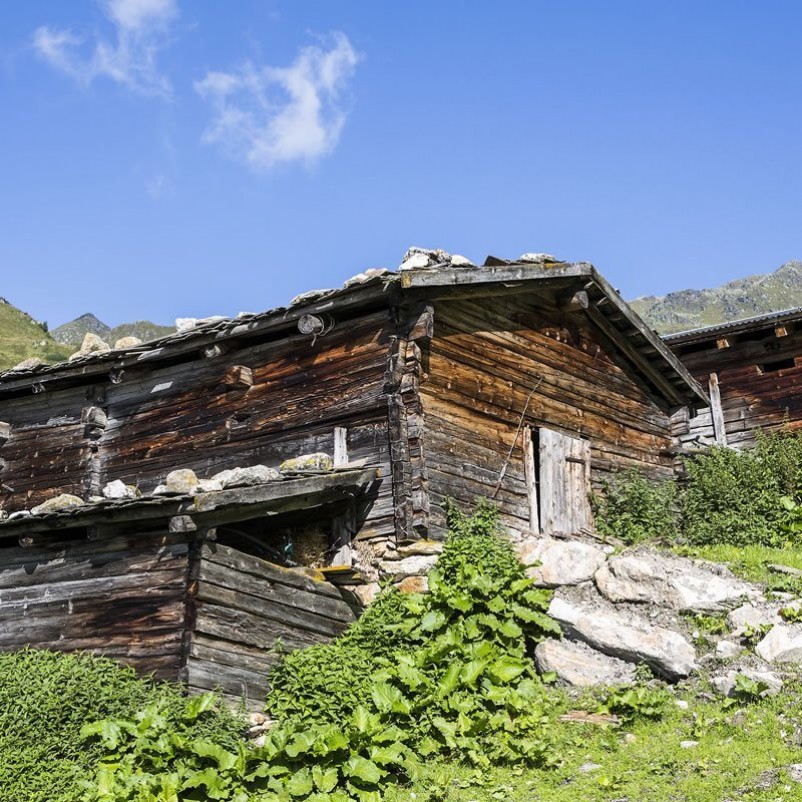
(164,158)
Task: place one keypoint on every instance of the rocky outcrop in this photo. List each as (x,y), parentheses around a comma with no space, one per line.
(624,634)
(782,644)
(553,563)
(577,664)
(647,576)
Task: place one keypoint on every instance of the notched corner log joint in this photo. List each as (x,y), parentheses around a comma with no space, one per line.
(238,377)
(94,420)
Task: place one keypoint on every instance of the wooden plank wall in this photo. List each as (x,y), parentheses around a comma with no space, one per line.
(183,415)
(240,607)
(123,598)
(486,357)
(751,397)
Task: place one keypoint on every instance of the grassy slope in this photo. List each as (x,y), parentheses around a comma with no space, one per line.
(21,337)
(736,744)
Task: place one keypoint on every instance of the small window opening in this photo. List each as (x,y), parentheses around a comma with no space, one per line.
(777,364)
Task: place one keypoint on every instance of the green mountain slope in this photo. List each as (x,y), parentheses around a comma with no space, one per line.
(746,297)
(22,337)
(143,329)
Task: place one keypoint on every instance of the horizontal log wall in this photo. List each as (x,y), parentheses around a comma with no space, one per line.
(241,607)
(485,359)
(123,598)
(186,416)
(752,397)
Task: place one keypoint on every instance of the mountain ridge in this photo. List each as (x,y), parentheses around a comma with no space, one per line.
(753,295)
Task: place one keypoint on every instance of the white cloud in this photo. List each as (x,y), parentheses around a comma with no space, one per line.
(140,27)
(273,115)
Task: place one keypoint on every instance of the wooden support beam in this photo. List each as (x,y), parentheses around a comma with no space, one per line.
(5,431)
(530,474)
(238,377)
(574,301)
(717,412)
(340,446)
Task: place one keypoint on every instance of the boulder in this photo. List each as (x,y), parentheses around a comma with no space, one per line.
(782,644)
(414,584)
(367,275)
(65,501)
(537,258)
(420,547)
(28,364)
(644,575)
(753,615)
(575,663)
(360,595)
(727,649)
(19,514)
(307,462)
(240,477)
(416,565)
(458,260)
(626,635)
(561,562)
(417,258)
(127,342)
(725,683)
(92,344)
(182,481)
(119,490)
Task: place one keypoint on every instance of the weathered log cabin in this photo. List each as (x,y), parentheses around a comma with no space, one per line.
(753,370)
(523,381)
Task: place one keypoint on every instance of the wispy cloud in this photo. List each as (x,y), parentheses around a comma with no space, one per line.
(141,28)
(267,116)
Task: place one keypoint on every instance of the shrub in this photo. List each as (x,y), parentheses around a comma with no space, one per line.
(446,673)
(45,700)
(742,497)
(633,508)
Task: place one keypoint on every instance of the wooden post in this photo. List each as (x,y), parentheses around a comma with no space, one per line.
(340,446)
(531,481)
(342,530)
(716,411)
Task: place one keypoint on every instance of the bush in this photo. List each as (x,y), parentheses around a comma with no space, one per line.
(632,508)
(737,497)
(445,673)
(45,700)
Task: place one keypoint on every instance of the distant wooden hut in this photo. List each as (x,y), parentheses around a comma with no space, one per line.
(753,371)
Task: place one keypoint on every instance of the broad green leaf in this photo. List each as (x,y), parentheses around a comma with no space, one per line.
(300,784)
(506,669)
(325,779)
(363,769)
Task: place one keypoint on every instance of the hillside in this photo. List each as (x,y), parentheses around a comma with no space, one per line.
(746,297)
(22,337)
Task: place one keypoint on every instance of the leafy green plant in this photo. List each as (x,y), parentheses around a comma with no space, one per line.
(634,509)
(753,635)
(743,497)
(637,701)
(792,614)
(45,700)
(747,689)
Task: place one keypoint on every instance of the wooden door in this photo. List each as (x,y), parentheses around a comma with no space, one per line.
(564,487)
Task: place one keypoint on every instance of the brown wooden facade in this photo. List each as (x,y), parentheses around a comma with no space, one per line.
(521,383)
(753,369)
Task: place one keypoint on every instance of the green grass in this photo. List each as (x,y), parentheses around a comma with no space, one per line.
(735,746)
(751,563)
(22,337)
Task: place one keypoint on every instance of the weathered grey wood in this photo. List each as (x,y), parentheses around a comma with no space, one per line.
(564,483)
(719,428)
(531,480)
